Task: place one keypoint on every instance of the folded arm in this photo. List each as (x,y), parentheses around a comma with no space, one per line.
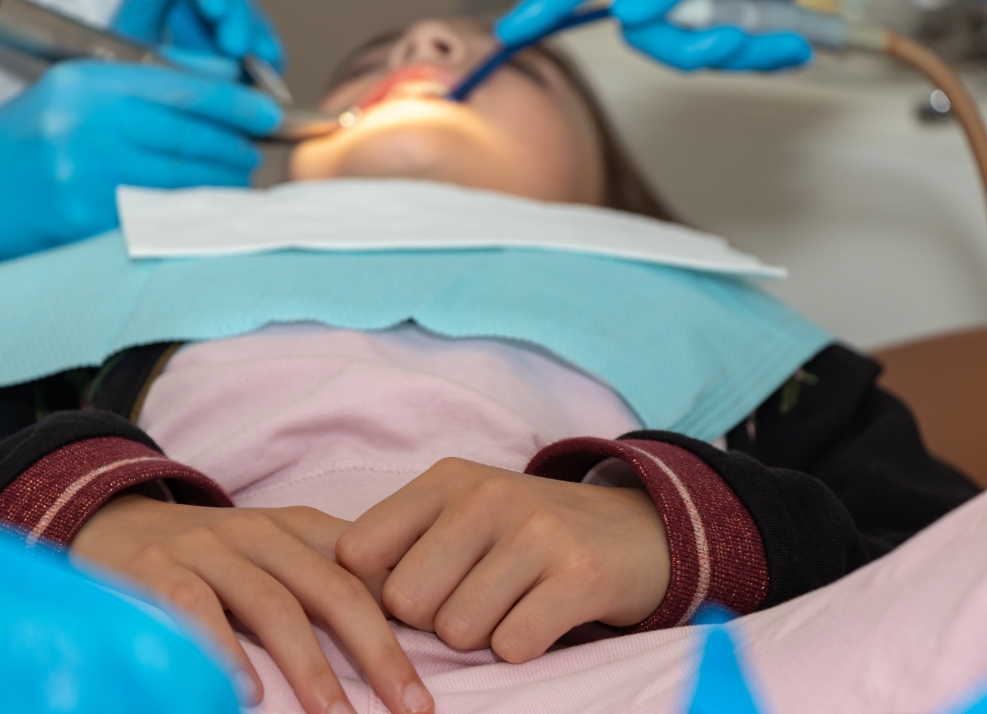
(827,475)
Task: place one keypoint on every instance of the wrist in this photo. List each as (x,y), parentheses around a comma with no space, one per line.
(648,575)
(715,548)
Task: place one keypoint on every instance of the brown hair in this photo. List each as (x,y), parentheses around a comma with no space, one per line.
(625,187)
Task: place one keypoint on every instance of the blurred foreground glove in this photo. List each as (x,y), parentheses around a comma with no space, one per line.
(226,27)
(69,646)
(727,48)
(721,687)
(87,127)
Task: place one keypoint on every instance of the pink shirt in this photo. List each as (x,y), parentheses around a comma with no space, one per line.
(338,420)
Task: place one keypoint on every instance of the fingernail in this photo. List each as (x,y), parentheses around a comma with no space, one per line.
(415,699)
(246,690)
(341,708)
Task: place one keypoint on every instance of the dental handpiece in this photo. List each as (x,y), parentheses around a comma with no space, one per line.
(827,31)
(53,37)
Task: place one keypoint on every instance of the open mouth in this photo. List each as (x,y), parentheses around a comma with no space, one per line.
(414,82)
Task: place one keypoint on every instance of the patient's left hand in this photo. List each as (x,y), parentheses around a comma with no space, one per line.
(483,556)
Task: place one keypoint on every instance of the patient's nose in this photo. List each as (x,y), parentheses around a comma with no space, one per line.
(429,41)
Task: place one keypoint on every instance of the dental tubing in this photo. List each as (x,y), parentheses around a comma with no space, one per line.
(961,103)
(834,32)
(822,30)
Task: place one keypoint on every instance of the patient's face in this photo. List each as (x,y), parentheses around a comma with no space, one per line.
(525,131)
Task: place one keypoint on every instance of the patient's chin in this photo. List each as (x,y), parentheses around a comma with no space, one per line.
(449,152)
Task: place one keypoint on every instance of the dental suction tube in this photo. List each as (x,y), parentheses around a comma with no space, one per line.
(53,37)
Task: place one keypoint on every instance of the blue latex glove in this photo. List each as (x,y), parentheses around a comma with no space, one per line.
(227,27)
(721,687)
(69,646)
(87,127)
(727,48)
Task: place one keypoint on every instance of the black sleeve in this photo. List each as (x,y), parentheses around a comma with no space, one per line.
(24,404)
(833,472)
(31,444)
(41,417)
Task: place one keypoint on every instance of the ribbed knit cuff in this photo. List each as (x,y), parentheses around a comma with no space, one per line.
(56,495)
(714,545)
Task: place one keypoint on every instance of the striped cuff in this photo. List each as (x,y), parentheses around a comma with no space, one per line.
(714,545)
(54,497)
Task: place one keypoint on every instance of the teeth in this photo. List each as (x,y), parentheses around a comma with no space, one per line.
(423,88)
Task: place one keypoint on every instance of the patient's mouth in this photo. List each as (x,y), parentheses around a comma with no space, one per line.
(414,82)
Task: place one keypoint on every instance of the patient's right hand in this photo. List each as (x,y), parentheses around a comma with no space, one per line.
(272,568)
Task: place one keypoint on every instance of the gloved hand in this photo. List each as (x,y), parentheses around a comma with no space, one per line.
(227,27)
(67,645)
(87,127)
(727,48)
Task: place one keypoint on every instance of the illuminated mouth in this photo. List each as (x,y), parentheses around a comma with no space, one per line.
(415,82)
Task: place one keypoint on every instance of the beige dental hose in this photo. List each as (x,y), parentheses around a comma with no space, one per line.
(962,105)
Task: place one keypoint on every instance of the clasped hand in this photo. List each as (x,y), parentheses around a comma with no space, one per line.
(486,557)
(479,555)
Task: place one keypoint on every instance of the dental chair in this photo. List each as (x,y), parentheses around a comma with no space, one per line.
(944,381)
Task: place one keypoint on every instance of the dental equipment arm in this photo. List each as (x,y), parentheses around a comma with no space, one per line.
(53,37)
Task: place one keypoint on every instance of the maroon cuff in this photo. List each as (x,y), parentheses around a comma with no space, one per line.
(53,498)
(714,545)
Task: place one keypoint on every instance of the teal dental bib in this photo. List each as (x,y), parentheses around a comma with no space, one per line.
(690,351)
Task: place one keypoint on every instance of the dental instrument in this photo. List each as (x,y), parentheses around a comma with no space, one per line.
(267,79)
(53,37)
(823,30)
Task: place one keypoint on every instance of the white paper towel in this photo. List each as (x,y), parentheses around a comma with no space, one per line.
(397,214)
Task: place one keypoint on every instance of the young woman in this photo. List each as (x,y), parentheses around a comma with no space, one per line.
(479,489)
